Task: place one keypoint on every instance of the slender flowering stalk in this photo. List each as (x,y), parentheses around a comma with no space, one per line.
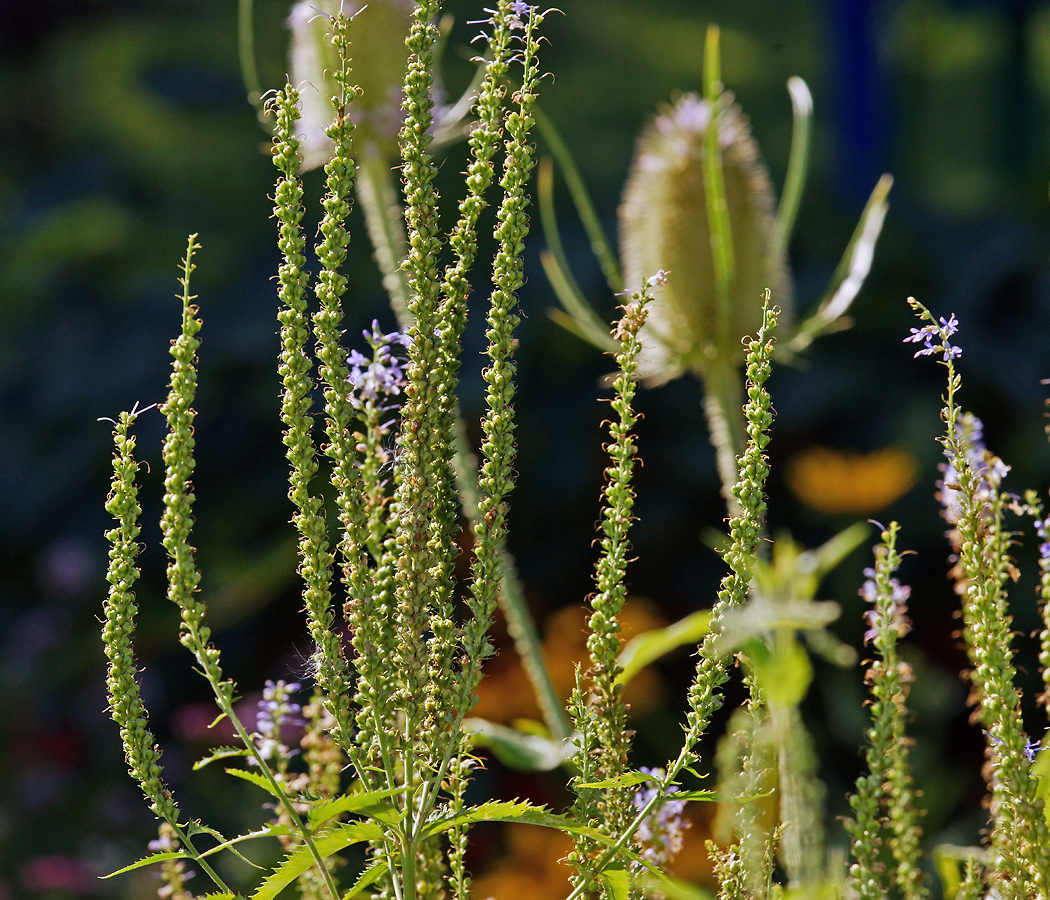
(374,384)
(887,789)
(316,558)
(745,531)
(599,713)
(1020,836)
(125,701)
(176,526)
(177,520)
(452,696)
(331,358)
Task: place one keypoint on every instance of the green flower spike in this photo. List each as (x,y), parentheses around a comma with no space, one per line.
(176,526)
(125,701)
(316,558)
(745,531)
(885,797)
(340,414)
(496,478)
(1020,835)
(599,713)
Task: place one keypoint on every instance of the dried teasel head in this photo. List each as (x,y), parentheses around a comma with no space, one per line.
(664,224)
(379,54)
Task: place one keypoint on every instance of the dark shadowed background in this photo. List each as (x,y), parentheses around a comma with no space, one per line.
(125,127)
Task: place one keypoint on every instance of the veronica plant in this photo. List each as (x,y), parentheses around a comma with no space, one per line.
(376,764)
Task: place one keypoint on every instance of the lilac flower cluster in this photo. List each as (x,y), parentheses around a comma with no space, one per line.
(1031,748)
(898,610)
(377,379)
(989,469)
(519,10)
(275,710)
(662,832)
(1041,526)
(935,338)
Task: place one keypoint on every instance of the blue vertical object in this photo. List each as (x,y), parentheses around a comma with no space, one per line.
(858,98)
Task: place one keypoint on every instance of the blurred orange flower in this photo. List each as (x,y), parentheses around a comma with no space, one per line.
(505,694)
(845,481)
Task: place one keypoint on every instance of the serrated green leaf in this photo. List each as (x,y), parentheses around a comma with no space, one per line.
(369,876)
(195,828)
(217,754)
(716,797)
(218,895)
(149,860)
(256,779)
(671,888)
(617,883)
(516,749)
(625,780)
(516,811)
(367,803)
(650,646)
(269,830)
(300,859)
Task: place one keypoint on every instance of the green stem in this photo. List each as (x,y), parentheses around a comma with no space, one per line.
(386,226)
(625,836)
(724,409)
(222,699)
(246,51)
(715,189)
(197,858)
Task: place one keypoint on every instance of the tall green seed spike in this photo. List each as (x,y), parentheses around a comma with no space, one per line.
(599,714)
(496,479)
(603,643)
(885,800)
(316,558)
(1020,834)
(177,520)
(484,142)
(745,531)
(125,701)
(424,463)
(341,447)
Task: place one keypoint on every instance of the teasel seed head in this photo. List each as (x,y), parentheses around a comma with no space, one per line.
(664,224)
(377,38)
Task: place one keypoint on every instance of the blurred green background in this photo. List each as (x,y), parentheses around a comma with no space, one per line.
(125,127)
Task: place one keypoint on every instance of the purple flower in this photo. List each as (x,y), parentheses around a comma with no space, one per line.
(519,11)
(1040,530)
(989,469)
(276,709)
(377,379)
(898,609)
(935,338)
(662,832)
